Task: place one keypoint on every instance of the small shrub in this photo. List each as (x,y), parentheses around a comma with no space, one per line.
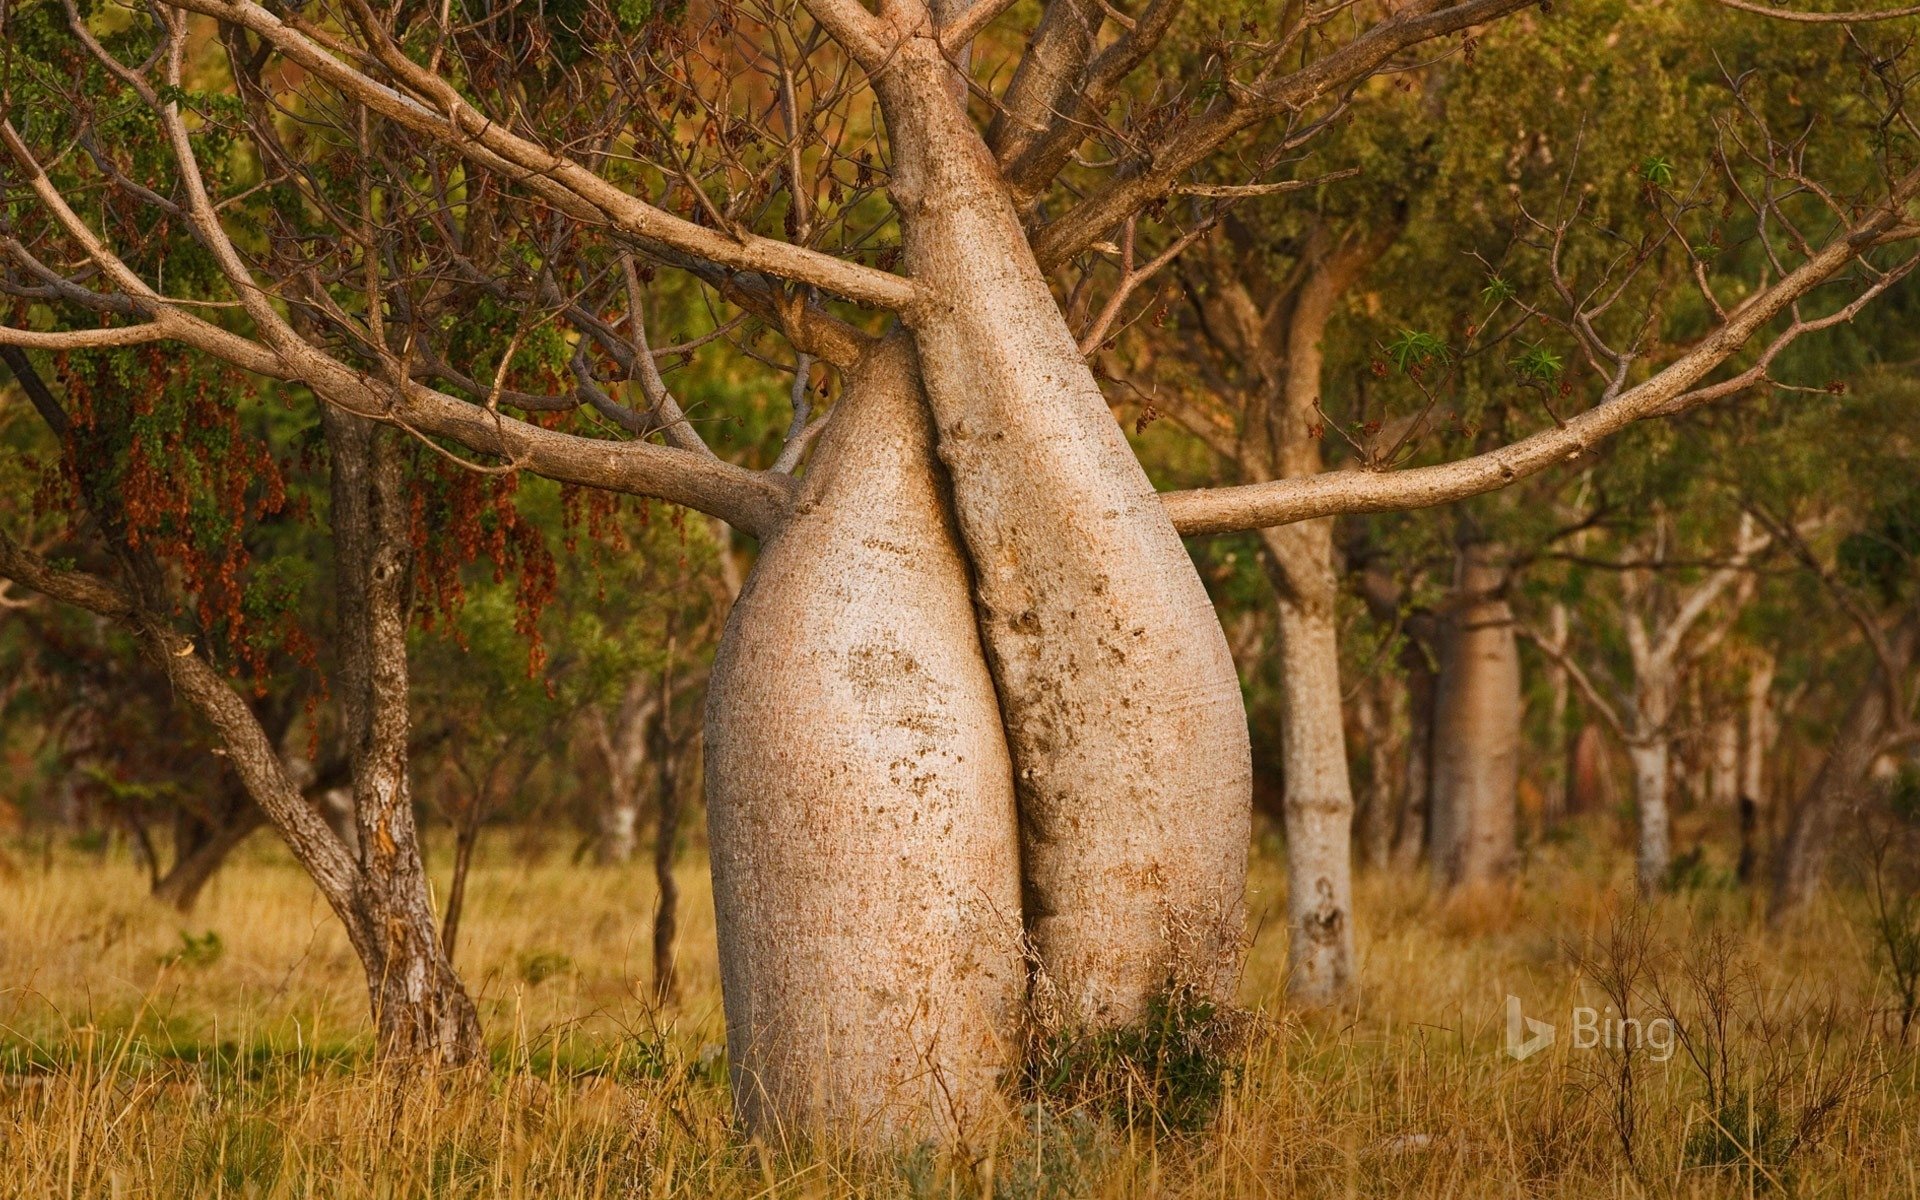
(202,951)
(538,966)
(1169,1069)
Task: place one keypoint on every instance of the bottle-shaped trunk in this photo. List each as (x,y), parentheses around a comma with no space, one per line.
(860,802)
(1121,705)
(1476,736)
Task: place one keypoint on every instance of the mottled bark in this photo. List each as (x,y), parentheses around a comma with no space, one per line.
(860,802)
(421,1010)
(1476,735)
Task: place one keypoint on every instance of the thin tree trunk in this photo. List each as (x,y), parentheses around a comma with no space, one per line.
(1560,695)
(1723,776)
(666,913)
(1375,716)
(466,839)
(1319,790)
(1120,702)
(421,1010)
(1756,744)
(188,876)
(1802,862)
(1652,772)
(1411,836)
(860,803)
(1476,736)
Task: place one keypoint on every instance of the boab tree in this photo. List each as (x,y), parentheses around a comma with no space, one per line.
(969,709)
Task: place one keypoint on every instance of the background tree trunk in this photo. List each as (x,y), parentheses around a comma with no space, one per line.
(1319,790)
(622,743)
(1411,836)
(1652,774)
(1756,743)
(666,836)
(421,1010)
(1476,734)
(1802,862)
(196,862)
(1378,722)
(860,801)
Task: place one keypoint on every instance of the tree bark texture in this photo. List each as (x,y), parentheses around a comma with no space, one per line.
(860,802)
(421,1010)
(1119,697)
(1652,761)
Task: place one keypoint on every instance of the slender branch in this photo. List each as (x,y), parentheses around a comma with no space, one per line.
(1819,18)
(453,121)
(1599,701)
(1279,502)
(1157,169)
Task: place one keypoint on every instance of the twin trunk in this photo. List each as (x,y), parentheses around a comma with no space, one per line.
(871,874)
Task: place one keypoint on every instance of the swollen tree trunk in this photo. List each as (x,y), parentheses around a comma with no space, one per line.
(1121,706)
(1319,791)
(860,801)
(421,1011)
(1476,732)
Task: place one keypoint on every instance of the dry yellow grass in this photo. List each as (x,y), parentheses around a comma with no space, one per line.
(139,1063)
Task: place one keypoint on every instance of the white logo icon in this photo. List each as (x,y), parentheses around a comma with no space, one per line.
(1519,1024)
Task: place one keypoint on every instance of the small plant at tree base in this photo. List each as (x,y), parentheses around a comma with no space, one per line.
(1168,1070)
